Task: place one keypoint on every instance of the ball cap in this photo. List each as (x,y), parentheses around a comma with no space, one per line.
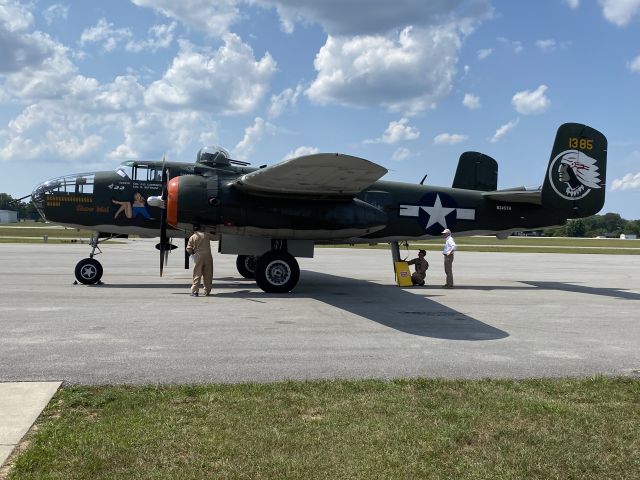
(446,231)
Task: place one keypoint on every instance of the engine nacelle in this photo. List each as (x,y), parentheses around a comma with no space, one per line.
(212,202)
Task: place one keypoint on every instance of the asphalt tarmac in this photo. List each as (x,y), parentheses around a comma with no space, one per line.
(511,315)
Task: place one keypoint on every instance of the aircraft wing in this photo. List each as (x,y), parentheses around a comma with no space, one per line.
(321,175)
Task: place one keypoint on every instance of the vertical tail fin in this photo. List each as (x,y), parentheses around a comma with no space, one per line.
(575,179)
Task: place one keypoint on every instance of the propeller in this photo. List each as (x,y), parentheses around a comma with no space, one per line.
(164,251)
(186,254)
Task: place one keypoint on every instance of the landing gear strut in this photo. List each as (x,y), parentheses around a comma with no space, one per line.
(88,270)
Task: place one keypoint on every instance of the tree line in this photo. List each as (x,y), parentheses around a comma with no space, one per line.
(26,210)
(607,225)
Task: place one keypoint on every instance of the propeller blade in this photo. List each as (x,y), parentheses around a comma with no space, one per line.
(163,240)
(186,254)
(163,217)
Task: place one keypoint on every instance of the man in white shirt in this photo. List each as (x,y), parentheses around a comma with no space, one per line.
(447,251)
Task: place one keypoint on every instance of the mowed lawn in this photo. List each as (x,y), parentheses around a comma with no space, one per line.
(33,232)
(404,429)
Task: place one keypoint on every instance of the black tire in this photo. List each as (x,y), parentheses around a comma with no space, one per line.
(277,272)
(246,265)
(88,271)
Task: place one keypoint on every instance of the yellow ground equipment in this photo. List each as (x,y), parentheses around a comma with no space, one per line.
(403,274)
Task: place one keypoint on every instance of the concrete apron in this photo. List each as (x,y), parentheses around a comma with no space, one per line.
(20,405)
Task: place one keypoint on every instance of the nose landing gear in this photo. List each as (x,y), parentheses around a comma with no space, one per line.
(88,271)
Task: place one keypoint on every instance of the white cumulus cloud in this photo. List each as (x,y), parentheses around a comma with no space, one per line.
(531,102)
(401,154)
(410,73)
(634,65)
(397,131)
(484,53)
(55,12)
(105,33)
(548,45)
(227,81)
(300,152)
(370,17)
(449,139)
(619,12)
(280,102)
(515,45)
(160,36)
(631,181)
(503,130)
(211,18)
(472,102)
(253,134)
(573,3)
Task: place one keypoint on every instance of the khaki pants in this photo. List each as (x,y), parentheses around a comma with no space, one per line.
(202,270)
(448,269)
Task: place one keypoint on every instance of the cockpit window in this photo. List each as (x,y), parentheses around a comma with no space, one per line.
(125,170)
(141,172)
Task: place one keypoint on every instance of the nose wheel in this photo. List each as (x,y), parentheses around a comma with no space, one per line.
(88,271)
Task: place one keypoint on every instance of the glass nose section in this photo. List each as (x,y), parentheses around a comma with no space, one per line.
(61,187)
(39,195)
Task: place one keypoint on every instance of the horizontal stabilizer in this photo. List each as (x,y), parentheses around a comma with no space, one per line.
(515,195)
(321,175)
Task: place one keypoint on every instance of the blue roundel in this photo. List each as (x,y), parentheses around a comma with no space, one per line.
(437,212)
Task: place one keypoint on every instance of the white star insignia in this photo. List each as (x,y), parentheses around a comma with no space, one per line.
(437,213)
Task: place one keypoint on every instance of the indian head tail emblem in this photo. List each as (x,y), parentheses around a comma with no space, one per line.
(573,174)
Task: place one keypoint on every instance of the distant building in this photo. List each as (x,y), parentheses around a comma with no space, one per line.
(8,216)
(628,236)
(528,233)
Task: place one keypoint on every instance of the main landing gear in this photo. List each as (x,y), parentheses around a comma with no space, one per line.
(88,270)
(276,271)
(246,265)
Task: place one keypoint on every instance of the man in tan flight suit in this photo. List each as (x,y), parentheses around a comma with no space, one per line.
(200,247)
(422,265)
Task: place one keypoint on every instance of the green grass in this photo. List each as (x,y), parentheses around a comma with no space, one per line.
(522,245)
(405,429)
(36,231)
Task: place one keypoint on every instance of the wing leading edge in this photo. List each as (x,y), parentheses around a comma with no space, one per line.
(321,175)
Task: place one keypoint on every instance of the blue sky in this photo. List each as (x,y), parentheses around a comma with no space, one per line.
(408,84)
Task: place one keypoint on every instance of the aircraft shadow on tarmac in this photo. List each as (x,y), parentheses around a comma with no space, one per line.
(572,287)
(560,286)
(385,304)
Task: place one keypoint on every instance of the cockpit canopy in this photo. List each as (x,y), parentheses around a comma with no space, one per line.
(213,156)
